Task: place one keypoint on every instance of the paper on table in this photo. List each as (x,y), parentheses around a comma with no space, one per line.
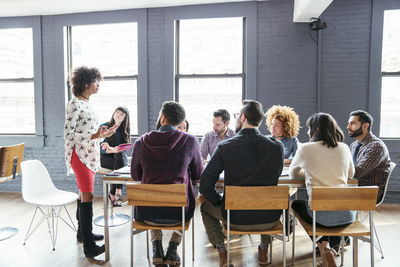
(285,171)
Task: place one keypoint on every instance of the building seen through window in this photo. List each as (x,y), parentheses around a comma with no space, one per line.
(210,69)
(390,98)
(17,103)
(113,49)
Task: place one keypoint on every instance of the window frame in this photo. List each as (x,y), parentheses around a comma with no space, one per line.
(137,15)
(68,32)
(246,10)
(375,70)
(35,139)
(208,75)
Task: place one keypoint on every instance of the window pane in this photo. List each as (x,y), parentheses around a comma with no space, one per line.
(201,97)
(112,48)
(391,41)
(17,109)
(211,46)
(390,108)
(113,94)
(16,53)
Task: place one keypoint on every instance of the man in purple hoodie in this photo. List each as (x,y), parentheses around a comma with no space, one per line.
(164,157)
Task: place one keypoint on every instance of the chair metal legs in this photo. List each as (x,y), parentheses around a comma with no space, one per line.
(371,227)
(51,218)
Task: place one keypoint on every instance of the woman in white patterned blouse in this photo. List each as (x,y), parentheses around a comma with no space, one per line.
(82,150)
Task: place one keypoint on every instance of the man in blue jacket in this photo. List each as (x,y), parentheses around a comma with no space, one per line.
(166,156)
(248,159)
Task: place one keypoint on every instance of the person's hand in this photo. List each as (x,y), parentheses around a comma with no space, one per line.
(105,146)
(115,149)
(110,131)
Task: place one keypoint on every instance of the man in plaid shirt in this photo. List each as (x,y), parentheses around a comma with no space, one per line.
(370,154)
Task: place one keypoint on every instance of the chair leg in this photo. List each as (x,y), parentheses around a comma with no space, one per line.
(29,233)
(294,237)
(193,238)
(342,251)
(228,235)
(183,236)
(53,226)
(378,246)
(314,241)
(284,238)
(270,251)
(147,244)
(131,245)
(371,228)
(72,226)
(355,251)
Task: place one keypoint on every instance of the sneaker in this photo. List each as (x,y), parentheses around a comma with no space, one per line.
(263,256)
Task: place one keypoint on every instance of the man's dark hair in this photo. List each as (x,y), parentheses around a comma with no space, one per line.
(323,127)
(253,111)
(81,77)
(223,113)
(363,117)
(174,112)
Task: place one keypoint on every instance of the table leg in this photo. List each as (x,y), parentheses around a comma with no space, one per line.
(106,233)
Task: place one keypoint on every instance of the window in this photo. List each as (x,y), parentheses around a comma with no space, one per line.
(209,72)
(113,49)
(17,98)
(390,99)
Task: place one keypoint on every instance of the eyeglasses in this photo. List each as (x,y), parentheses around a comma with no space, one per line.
(236,115)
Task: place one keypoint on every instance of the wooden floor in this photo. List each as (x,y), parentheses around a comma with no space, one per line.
(38,250)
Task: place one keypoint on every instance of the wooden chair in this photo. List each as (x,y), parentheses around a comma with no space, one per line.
(342,198)
(10,160)
(257,198)
(158,195)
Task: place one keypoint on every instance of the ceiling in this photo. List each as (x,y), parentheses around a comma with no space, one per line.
(12,8)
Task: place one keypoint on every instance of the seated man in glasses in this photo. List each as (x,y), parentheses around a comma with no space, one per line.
(248,159)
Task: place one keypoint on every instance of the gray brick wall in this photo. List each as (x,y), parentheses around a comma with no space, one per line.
(287,74)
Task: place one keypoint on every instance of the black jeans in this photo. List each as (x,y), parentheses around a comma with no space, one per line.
(300,206)
(114,161)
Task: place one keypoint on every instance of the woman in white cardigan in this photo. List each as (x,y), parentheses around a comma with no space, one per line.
(324,161)
(82,136)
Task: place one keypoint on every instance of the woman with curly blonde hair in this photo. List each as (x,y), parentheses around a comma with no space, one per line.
(284,125)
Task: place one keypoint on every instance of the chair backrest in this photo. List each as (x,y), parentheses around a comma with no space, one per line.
(36,181)
(157,195)
(256,197)
(7,156)
(344,198)
(391,168)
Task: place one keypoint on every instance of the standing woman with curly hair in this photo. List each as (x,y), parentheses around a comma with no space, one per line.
(82,136)
(284,125)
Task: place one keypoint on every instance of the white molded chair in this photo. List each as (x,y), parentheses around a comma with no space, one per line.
(38,189)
